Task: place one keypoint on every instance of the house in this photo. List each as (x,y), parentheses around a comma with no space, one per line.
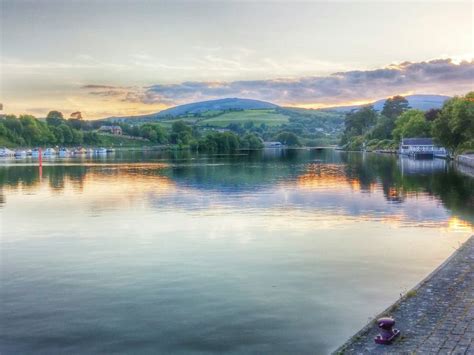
(421,147)
(116,130)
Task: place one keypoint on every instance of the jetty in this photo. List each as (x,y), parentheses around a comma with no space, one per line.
(436,317)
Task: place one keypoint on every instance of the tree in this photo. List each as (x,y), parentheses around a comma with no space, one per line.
(454,125)
(251,141)
(14,125)
(68,136)
(76,115)
(219,142)
(54,118)
(432,114)
(411,123)
(358,122)
(181,133)
(383,128)
(395,106)
(288,138)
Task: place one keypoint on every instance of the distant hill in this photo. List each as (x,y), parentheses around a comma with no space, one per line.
(216,105)
(419,102)
(227,104)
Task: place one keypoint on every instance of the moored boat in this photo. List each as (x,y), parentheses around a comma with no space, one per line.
(20,154)
(64,152)
(100,151)
(35,153)
(49,152)
(5,152)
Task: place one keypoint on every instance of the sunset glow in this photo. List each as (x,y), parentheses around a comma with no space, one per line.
(160,60)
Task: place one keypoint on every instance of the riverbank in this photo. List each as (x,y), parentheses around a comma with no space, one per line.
(466,159)
(437,316)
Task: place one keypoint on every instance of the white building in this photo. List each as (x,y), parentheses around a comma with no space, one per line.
(420,147)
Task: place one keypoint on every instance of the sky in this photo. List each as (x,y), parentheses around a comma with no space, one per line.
(117,58)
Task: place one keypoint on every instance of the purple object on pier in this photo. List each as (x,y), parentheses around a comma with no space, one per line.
(387,332)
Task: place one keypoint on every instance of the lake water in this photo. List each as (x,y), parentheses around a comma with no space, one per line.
(269,252)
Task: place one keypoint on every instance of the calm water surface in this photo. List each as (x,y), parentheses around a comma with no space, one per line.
(266,253)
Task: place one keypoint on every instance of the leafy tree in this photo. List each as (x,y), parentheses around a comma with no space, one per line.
(432,114)
(13,124)
(54,118)
(67,133)
(383,128)
(219,142)
(454,125)
(288,138)
(76,115)
(91,138)
(411,123)
(248,125)
(77,137)
(181,133)
(153,132)
(358,122)
(251,141)
(58,134)
(395,106)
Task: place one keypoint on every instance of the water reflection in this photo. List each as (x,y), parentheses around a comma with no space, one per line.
(181,253)
(310,179)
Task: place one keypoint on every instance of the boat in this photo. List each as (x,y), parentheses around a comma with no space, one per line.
(49,152)
(5,152)
(100,151)
(20,154)
(64,152)
(110,150)
(89,151)
(35,153)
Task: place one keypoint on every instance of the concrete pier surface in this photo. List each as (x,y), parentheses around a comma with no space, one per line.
(436,317)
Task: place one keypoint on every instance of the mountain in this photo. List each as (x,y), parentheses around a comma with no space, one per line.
(216,105)
(419,102)
(200,107)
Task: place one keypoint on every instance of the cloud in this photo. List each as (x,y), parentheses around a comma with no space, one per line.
(436,76)
(92,86)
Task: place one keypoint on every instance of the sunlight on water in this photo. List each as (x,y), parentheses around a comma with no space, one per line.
(270,252)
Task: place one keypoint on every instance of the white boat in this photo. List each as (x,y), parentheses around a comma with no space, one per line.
(49,152)
(20,154)
(64,152)
(5,152)
(35,153)
(110,150)
(100,151)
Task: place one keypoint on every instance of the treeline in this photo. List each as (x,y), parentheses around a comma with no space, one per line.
(452,126)
(28,131)
(304,128)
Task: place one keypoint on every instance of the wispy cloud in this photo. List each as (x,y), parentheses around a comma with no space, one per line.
(442,76)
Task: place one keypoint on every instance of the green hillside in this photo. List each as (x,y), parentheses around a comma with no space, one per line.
(269,117)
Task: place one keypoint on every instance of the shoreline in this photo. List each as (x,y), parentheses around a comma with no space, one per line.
(419,302)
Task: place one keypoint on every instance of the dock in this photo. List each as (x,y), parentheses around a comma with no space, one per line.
(436,317)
